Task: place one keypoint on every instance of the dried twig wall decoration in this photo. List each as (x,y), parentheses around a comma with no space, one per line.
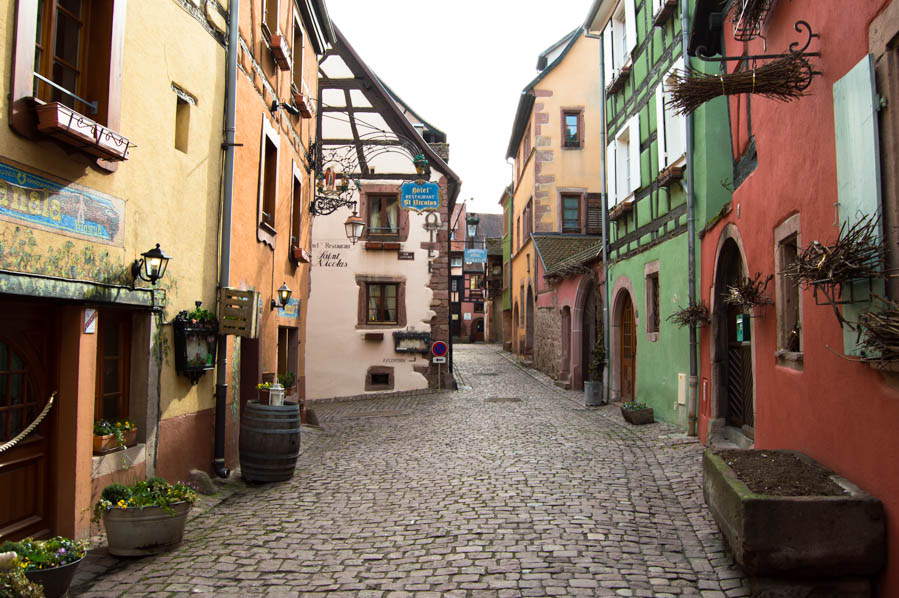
(783,79)
(748,16)
(749,292)
(693,314)
(856,254)
(878,333)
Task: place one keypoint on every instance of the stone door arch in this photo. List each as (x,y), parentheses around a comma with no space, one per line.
(529,322)
(732,371)
(623,355)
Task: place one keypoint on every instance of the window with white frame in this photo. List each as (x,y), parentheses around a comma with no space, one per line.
(619,38)
(671,131)
(623,159)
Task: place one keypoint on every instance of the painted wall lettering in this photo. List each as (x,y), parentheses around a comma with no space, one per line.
(70,210)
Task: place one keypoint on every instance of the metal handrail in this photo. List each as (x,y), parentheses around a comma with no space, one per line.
(91,105)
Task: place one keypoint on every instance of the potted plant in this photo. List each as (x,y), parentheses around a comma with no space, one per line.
(50,563)
(146,517)
(288,381)
(263,389)
(13,583)
(112,436)
(636,413)
(593,385)
(196,338)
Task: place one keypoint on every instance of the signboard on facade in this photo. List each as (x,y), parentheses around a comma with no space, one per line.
(67,209)
(420,196)
(291,310)
(475,256)
(405,255)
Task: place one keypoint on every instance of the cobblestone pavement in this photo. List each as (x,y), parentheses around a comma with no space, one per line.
(507,487)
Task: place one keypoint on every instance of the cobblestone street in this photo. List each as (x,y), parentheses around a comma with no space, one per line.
(508,487)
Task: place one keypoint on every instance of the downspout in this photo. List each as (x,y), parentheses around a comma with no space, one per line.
(606,331)
(221,375)
(691,232)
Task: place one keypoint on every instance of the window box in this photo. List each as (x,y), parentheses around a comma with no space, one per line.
(671,175)
(280,52)
(300,255)
(303,103)
(72,128)
(373,336)
(665,11)
(619,79)
(621,210)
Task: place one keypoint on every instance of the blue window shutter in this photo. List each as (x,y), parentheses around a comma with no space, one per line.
(858,168)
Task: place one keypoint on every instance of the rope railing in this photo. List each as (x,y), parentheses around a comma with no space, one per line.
(31,427)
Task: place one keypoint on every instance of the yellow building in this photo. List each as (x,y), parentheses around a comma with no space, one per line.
(104,158)
(557,146)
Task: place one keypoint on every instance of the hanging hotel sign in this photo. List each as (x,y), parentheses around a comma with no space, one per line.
(475,256)
(420,196)
(66,209)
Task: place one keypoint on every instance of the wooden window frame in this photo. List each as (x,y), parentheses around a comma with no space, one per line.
(367,196)
(268,185)
(363,281)
(578,113)
(267,19)
(578,196)
(296,209)
(297,50)
(653,298)
(123,320)
(104,43)
(788,232)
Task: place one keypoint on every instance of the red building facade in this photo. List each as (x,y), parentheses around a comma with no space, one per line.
(797,381)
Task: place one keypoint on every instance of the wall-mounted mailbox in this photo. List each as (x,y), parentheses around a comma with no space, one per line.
(743,328)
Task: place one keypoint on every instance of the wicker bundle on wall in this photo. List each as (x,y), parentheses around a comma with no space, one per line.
(749,293)
(693,314)
(857,254)
(748,16)
(878,333)
(783,79)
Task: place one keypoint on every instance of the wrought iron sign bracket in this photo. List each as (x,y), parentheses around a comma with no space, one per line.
(794,50)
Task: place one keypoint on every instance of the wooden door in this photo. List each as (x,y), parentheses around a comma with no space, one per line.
(628,350)
(26,488)
(739,377)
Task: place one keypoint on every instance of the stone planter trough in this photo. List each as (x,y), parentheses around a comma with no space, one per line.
(810,537)
(638,416)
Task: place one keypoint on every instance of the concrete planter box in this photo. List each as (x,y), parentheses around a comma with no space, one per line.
(811,537)
(141,531)
(638,417)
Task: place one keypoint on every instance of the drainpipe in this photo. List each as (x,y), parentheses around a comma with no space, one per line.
(691,232)
(221,376)
(606,329)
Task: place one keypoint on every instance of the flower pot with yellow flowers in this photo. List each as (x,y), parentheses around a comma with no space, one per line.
(144,518)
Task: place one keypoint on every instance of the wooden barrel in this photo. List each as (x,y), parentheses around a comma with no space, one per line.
(269,441)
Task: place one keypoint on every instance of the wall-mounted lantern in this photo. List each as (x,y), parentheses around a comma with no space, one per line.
(354,226)
(421,164)
(151,267)
(283,294)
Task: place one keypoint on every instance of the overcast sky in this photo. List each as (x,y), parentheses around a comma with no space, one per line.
(461,65)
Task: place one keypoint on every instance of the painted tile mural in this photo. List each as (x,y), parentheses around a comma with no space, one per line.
(70,210)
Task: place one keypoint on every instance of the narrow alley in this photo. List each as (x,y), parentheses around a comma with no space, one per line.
(507,487)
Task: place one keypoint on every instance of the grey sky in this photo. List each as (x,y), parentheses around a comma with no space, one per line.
(461,65)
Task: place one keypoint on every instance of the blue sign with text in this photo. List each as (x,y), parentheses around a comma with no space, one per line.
(420,196)
(475,256)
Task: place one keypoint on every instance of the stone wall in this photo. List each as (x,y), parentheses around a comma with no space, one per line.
(547,341)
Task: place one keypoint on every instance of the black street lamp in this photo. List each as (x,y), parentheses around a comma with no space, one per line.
(471,222)
(283,296)
(354,226)
(151,267)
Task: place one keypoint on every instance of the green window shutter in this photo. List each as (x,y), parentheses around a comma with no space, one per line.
(858,167)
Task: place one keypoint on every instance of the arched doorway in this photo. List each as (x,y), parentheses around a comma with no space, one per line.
(529,323)
(731,358)
(565,361)
(627,363)
(477,330)
(26,489)
(591,328)
(516,322)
